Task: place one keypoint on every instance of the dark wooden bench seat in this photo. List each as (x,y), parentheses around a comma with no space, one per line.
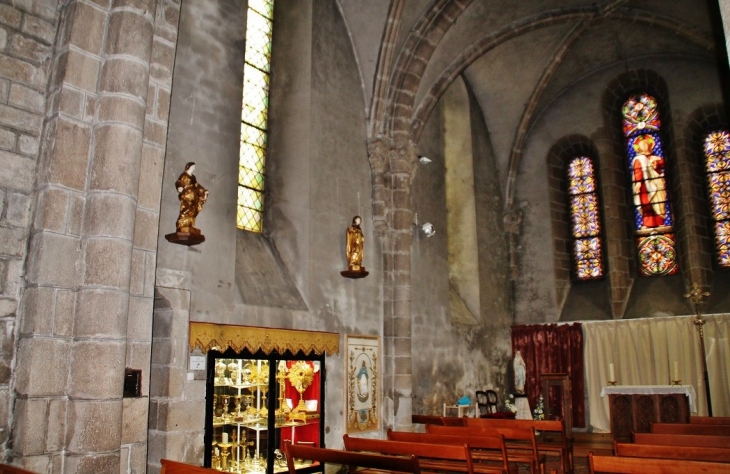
(710,420)
(627,465)
(691,429)
(346,458)
(175,467)
(550,436)
(681,440)
(488,453)
(431,457)
(520,442)
(690,453)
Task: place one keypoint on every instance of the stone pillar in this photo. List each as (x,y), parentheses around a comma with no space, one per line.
(73,349)
(397,299)
(614,206)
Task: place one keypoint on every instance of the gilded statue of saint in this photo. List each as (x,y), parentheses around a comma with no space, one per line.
(355,244)
(192,197)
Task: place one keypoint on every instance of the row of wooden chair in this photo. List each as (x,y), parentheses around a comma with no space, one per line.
(703,445)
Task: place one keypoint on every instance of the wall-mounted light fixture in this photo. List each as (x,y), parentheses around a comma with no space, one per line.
(424,159)
(427,228)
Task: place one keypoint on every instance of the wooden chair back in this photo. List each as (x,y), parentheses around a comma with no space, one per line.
(8,469)
(487,452)
(681,440)
(691,429)
(691,453)
(426,420)
(442,457)
(175,467)
(710,420)
(626,465)
(351,459)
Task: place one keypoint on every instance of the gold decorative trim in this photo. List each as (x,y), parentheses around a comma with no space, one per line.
(208,336)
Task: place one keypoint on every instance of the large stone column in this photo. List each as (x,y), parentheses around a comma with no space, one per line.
(91,263)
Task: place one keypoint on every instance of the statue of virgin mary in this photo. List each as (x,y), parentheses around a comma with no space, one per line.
(520,373)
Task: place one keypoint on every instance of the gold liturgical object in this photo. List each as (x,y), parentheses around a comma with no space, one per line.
(192,196)
(354,251)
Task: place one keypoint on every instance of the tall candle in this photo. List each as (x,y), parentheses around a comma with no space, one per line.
(611,373)
(224,438)
(676,370)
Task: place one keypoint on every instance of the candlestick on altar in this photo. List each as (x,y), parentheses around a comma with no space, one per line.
(697,296)
(611,374)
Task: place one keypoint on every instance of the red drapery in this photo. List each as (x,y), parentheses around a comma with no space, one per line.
(552,348)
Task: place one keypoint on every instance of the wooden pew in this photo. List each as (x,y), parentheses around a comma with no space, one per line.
(521,444)
(691,429)
(488,453)
(8,469)
(710,420)
(346,458)
(453,421)
(689,453)
(426,420)
(435,457)
(552,439)
(681,440)
(625,465)
(174,467)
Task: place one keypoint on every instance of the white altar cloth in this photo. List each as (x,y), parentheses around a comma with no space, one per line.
(687,390)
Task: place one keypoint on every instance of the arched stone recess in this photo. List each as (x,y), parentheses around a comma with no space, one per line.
(631,294)
(575,300)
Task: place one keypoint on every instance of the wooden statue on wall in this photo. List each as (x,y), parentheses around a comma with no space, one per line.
(192,196)
(354,251)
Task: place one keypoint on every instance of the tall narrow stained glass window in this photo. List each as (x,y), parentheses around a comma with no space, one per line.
(585,219)
(717,160)
(652,213)
(254,115)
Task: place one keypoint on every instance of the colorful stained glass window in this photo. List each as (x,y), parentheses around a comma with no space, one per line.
(585,219)
(652,213)
(717,159)
(254,115)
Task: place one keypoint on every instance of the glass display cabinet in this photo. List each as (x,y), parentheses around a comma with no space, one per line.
(257,402)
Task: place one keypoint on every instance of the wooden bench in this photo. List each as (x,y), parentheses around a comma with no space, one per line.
(552,437)
(691,429)
(625,465)
(426,420)
(8,469)
(520,442)
(453,421)
(690,453)
(431,457)
(350,459)
(488,453)
(682,440)
(710,420)
(174,467)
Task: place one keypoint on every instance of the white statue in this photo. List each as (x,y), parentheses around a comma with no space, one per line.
(520,373)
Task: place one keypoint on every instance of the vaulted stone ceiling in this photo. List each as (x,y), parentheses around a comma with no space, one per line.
(519,56)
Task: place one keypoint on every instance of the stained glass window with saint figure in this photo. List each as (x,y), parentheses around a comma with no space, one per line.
(717,160)
(652,213)
(254,115)
(585,219)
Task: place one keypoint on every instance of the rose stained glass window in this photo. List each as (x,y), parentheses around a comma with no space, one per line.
(254,115)
(585,220)
(651,210)
(717,160)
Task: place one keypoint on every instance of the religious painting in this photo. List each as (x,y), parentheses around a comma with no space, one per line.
(362,375)
(653,219)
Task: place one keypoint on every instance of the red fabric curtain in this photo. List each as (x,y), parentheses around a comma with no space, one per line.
(549,349)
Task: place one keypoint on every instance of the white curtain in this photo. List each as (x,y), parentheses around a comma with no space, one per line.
(643,352)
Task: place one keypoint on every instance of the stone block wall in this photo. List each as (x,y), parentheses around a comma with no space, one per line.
(27,31)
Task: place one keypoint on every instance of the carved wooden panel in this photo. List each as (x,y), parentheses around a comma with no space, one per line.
(636,412)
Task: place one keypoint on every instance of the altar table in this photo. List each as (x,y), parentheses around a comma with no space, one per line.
(635,407)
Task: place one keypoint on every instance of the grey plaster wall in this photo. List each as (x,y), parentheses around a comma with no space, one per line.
(691,83)
(452,360)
